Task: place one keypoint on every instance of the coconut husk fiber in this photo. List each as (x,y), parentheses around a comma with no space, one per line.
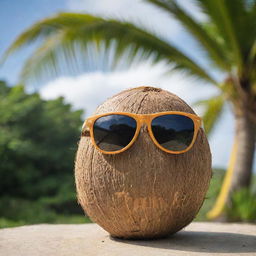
(143,192)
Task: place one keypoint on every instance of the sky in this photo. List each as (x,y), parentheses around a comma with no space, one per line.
(89,89)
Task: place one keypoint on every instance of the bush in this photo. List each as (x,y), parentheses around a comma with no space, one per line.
(38,142)
(242,206)
(212,194)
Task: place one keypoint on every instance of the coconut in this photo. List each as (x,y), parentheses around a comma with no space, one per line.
(143,192)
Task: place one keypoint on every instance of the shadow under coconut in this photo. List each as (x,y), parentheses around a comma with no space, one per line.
(193,241)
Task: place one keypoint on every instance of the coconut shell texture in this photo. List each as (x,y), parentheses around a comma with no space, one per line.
(143,192)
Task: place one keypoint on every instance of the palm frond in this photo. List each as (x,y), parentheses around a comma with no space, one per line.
(252,54)
(81,29)
(213,108)
(197,30)
(43,59)
(227,15)
(242,16)
(47,27)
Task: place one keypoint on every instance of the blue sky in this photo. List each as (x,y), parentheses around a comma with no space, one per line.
(15,16)
(88,89)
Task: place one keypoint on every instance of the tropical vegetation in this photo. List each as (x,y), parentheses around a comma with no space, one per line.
(226,38)
(38,141)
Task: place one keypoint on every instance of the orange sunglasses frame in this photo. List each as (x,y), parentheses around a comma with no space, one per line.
(142,119)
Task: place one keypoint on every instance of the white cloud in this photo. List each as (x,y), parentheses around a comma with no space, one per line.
(91,89)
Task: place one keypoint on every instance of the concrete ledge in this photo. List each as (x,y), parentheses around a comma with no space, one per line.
(90,240)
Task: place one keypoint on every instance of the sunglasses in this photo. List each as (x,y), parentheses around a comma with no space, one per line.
(173,131)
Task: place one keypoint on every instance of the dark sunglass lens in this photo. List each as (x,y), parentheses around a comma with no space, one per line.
(114,132)
(173,132)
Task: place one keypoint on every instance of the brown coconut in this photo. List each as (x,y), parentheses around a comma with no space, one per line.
(143,192)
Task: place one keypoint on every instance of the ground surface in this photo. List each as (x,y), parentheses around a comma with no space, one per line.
(90,240)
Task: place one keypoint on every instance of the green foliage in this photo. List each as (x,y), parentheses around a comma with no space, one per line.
(212,193)
(242,206)
(222,36)
(232,21)
(213,109)
(19,211)
(67,35)
(206,39)
(27,146)
(38,141)
(7,223)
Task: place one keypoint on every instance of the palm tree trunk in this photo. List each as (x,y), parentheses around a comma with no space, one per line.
(245,134)
(239,172)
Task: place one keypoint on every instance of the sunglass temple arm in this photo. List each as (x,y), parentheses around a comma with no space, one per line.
(85,129)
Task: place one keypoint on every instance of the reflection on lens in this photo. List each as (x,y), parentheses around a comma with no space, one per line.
(173,132)
(114,132)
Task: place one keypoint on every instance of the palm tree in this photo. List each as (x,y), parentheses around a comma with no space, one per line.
(227,38)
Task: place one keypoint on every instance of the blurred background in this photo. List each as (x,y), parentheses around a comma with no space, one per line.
(62,58)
